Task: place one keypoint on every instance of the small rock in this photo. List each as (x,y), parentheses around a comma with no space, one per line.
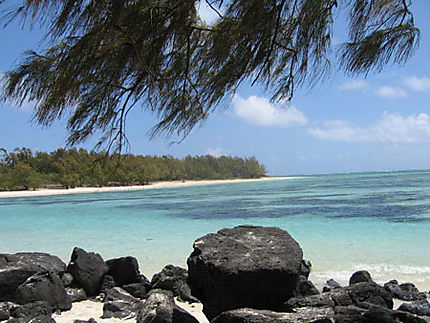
(405,292)
(29,311)
(137,290)
(349,314)
(5,308)
(306,287)
(330,285)
(170,278)
(361,276)
(67,279)
(305,269)
(321,300)
(87,269)
(421,308)
(76,294)
(185,294)
(118,294)
(91,320)
(160,307)
(362,295)
(120,309)
(107,283)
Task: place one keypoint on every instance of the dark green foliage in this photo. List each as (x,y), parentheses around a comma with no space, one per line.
(23,169)
(105,57)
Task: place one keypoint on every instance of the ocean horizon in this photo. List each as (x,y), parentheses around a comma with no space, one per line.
(378,221)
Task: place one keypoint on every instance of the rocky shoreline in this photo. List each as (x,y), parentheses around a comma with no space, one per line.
(246,274)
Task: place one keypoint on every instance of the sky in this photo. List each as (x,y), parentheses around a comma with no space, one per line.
(377,123)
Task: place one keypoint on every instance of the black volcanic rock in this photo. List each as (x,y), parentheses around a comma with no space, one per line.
(362,295)
(405,292)
(16,268)
(124,270)
(160,307)
(44,287)
(330,285)
(302,315)
(247,266)
(137,290)
(419,308)
(39,311)
(87,269)
(306,267)
(76,294)
(361,276)
(306,287)
(170,278)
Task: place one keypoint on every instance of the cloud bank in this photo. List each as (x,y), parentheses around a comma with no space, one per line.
(392,128)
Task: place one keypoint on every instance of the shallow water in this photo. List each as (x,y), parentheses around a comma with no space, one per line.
(374,221)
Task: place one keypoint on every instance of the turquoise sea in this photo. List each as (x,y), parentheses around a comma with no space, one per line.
(374,221)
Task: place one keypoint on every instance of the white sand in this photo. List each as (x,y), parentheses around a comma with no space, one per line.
(92,309)
(42,192)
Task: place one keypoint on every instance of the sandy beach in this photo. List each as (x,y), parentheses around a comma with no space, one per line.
(156,185)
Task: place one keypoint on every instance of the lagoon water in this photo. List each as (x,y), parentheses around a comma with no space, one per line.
(374,221)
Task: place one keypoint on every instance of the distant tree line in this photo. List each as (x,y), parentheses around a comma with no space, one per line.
(24,169)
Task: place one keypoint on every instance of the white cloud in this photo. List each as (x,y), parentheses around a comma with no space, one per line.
(259,111)
(218,151)
(354,85)
(418,83)
(391,92)
(392,128)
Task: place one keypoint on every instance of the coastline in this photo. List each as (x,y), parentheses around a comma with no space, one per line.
(155,185)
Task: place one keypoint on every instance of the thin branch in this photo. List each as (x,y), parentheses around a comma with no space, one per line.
(214,9)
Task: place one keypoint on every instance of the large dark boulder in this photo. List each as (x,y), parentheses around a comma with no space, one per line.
(361,276)
(44,287)
(247,266)
(160,307)
(124,270)
(405,292)
(87,269)
(302,315)
(16,268)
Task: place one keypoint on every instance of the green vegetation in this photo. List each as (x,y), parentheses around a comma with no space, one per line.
(23,169)
(104,58)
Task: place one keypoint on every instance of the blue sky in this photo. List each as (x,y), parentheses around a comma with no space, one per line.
(377,123)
